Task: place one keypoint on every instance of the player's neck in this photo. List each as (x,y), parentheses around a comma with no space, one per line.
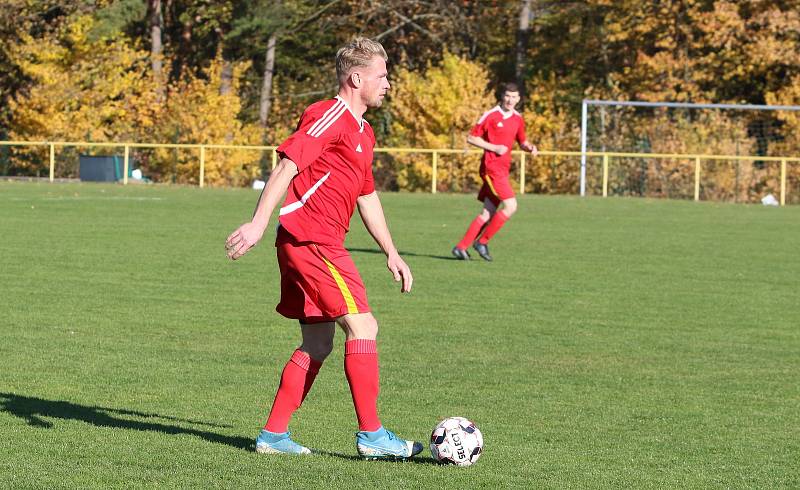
(354,102)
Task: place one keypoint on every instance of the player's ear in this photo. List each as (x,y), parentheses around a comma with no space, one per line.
(355,79)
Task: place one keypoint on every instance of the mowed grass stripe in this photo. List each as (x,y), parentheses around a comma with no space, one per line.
(615,343)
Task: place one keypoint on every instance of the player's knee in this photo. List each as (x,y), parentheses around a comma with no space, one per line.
(485,215)
(510,207)
(368,327)
(318,350)
(360,325)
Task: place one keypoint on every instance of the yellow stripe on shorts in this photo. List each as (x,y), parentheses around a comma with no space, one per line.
(491,186)
(348,297)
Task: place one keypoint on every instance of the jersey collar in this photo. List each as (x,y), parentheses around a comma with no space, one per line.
(505,114)
(360,122)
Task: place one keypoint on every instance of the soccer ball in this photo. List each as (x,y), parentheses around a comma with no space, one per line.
(456,440)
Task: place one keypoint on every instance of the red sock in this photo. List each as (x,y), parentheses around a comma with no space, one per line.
(472,233)
(497,222)
(361,369)
(297,377)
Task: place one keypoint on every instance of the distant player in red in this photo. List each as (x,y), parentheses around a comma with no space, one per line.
(326,171)
(495,133)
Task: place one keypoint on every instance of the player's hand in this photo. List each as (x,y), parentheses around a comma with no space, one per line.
(243,239)
(534,151)
(500,149)
(400,271)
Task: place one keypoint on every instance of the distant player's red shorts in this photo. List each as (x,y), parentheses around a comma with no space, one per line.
(496,189)
(319,283)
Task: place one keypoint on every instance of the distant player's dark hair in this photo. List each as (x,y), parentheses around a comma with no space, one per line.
(508,87)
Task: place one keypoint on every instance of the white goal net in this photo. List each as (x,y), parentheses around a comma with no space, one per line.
(753,132)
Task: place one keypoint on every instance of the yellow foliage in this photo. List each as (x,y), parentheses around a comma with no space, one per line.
(102,91)
(788,95)
(196,112)
(436,109)
(549,126)
(95,91)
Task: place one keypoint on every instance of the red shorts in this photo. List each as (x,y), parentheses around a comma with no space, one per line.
(496,189)
(319,283)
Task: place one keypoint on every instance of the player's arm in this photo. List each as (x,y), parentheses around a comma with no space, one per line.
(483,144)
(246,236)
(529,147)
(523,140)
(371,211)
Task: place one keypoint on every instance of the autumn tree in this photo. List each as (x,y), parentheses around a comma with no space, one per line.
(81,90)
(436,109)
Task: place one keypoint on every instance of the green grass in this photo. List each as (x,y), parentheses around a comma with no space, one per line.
(620,343)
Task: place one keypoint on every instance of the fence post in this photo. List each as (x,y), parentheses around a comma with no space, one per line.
(433,179)
(605,175)
(274,158)
(522,173)
(696,178)
(52,162)
(783,182)
(202,165)
(125,165)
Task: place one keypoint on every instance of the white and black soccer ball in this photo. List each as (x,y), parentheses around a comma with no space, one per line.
(456,440)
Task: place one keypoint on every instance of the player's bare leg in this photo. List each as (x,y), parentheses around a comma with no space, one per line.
(317,339)
(488,209)
(373,441)
(296,381)
(509,206)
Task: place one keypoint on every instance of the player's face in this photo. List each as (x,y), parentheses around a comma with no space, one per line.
(374,82)
(510,100)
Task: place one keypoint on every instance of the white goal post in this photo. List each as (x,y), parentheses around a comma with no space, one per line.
(663,105)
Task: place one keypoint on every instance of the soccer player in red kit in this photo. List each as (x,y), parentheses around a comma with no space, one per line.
(326,171)
(495,134)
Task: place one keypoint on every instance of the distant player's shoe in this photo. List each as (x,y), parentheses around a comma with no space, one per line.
(483,250)
(460,253)
(384,444)
(278,443)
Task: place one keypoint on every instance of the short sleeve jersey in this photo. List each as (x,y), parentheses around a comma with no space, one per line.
(499,128)
(333,153)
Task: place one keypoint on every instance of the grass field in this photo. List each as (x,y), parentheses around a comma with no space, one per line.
(619,343)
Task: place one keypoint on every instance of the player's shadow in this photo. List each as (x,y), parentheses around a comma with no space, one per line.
(35,411)
(407,254)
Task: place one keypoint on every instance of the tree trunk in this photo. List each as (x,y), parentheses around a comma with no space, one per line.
(266,86)
(523,33)
(183,50)
(156,47)
(226,78)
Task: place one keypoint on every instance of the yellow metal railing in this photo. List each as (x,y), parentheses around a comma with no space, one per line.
(606,158)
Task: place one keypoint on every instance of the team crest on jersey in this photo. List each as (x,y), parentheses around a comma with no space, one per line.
(500,124)
(358,148)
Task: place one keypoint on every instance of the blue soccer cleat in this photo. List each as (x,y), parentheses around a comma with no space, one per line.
(278,443)
(384,444)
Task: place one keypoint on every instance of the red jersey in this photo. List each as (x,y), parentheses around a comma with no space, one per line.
(333,153)
(499,128)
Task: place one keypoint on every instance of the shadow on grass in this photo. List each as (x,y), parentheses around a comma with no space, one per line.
(35,410)
(407,254)
(414,460)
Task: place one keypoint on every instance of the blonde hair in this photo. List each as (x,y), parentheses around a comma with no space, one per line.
(359,52)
